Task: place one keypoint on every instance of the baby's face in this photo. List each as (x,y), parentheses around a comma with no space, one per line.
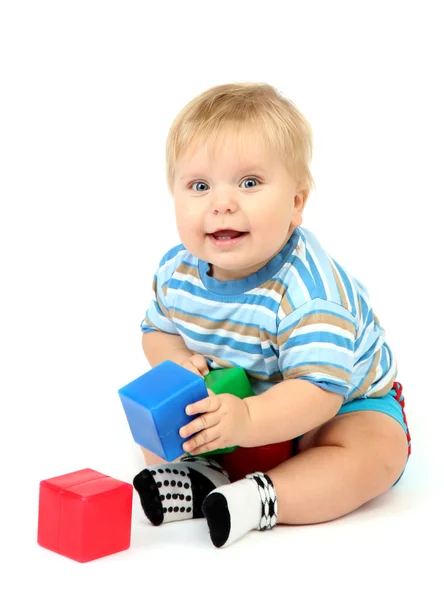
(235,210)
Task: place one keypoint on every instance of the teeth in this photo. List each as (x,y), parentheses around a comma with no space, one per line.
(223,237)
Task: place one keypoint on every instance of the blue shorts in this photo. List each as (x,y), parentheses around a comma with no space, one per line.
(391,404)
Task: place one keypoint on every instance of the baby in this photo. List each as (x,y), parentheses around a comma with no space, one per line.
(250,287)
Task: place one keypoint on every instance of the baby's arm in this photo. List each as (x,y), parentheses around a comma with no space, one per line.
(159,346)
(315,344)
(287,410)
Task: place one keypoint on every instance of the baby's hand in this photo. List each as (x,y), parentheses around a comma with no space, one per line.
(197,364)
(222,420)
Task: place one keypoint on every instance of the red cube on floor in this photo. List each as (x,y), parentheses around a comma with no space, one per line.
(243,461)
(85,515)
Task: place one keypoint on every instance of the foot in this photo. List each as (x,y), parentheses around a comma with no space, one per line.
(173,492)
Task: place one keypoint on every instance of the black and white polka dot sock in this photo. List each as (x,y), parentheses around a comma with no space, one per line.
(175,491)
(233,510)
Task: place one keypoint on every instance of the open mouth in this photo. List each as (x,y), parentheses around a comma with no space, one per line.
(226,237)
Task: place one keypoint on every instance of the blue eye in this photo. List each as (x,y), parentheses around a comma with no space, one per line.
(251,182)
(199,186)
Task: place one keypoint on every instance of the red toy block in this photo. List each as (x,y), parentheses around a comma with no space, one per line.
(84,515)
(243,461)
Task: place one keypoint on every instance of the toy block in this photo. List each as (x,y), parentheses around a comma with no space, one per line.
(243,461)
(155,404)
(232,380)
(84,515)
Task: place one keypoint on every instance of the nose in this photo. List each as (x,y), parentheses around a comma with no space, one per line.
(223,202)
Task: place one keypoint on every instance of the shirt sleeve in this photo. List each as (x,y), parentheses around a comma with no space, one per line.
(316,343)
(157,316)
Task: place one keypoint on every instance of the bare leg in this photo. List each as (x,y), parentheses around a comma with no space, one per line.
(342,465)
(152,459)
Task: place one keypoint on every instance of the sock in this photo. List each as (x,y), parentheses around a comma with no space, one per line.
(175,491)
(233,510)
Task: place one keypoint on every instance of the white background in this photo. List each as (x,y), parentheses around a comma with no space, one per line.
(88,92)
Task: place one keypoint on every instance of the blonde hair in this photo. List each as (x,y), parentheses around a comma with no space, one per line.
(245,107)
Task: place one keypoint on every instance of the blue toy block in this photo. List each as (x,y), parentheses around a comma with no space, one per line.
(155,404)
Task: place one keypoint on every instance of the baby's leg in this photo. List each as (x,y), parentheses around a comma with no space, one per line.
(150,457)
(341,465)
(175,491)
(344,464)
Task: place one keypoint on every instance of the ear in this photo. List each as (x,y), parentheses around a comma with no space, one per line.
(300,201)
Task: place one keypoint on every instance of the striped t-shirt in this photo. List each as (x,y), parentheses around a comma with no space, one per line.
(300,316)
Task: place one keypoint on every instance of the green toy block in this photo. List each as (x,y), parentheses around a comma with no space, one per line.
(232,380)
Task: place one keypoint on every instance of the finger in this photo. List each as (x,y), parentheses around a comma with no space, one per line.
(214,445)
(193,369)
(203,422)
(208,404)
(204,437)
(200,363)
(190,367)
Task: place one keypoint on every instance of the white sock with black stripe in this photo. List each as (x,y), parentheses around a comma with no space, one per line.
(234,509)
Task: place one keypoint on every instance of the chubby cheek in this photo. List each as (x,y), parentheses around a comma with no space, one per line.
(189,225)
(272,223)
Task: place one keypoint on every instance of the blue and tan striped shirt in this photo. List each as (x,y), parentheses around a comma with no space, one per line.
(300,316)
